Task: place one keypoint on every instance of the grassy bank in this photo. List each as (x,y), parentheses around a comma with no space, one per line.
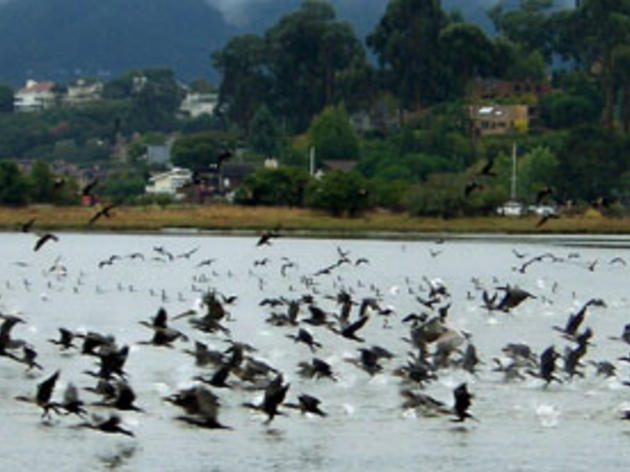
(231,218)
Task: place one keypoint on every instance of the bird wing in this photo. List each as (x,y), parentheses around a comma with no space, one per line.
(45,388)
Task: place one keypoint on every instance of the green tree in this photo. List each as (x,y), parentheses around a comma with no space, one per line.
(284,186)
(13,185)
(527,66)
(245,84)
(41,182)
(6,99)
(467,51)
(202,85)
(591,162)
(123,186)
(264,135)
(333,136)
(527,26)
(201,150)
(621,65)
(406,41)
(590,35)
(561,110)
(536,170)
(310,56)
(338,193)
(156,98)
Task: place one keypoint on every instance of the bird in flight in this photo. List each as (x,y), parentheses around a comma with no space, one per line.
(43,239)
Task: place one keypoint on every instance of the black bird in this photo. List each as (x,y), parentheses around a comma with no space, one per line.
(542,194)
(576,319)
(28,357)
(26,227)
(307,404)
(547,366)
(43,395)
(349,331)
(462,403)
(318,316)
(471,187)
(112,361)
(201,406)
(316,369)
(303,336)
(110,425)
(124,399)
(71,402)
(489,303)
(486,170)
(513,297)
(267,236)
(204,356)
(87,189)
(206,262)
(605,368)
(368,361)
(218,378)
(102,212)
(546,217)
(162,334)
(43,239)
(93,342)
(275,394)
(427,405)
(65,339)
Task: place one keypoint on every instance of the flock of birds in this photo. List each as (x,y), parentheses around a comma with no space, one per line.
(308,312)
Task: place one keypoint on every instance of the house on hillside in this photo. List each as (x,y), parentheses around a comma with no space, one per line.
(170,182)
(34,96)
(195,104)
(83,91)
(493,120)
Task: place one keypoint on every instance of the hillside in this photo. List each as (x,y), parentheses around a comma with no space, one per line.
(62,39)
(59,39)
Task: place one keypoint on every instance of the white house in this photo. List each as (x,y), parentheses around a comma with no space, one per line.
(169,182)
(34,96)
(195,104)
(83,91)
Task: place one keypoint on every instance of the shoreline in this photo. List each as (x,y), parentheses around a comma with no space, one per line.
(226,220)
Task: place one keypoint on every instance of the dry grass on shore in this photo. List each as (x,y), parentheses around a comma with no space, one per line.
(231,218)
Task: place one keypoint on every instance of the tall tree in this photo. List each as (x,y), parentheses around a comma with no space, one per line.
(590,35)
(201,150)
(310,53)
(621,66)
(6,98)
(405,42)
(13,185)
(332,135)
(41,182)
(590,162)
(246,82)
(527,26)
(264,135)
(467,50)
(155,98)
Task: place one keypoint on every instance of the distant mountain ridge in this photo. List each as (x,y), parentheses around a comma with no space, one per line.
(63,39)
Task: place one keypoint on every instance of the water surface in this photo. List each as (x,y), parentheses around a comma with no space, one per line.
(521,426)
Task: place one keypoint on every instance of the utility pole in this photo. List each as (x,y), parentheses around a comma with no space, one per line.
(311,160)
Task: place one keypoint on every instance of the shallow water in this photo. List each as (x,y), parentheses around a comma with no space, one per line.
(521,425)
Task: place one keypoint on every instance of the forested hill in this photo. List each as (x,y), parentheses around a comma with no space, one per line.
(59,39)
(62,39)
